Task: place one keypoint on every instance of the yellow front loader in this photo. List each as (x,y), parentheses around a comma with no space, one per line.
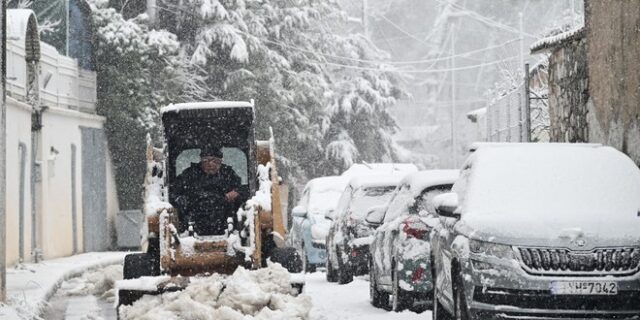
(255,235)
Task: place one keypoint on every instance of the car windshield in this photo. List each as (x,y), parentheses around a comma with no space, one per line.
(366,198)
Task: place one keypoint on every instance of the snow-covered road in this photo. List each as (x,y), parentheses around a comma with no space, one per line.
(349,302)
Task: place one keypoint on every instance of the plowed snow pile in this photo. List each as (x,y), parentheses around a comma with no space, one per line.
(258,294)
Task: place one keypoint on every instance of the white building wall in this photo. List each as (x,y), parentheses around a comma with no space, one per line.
(68,95)
(18,131)
(61,129)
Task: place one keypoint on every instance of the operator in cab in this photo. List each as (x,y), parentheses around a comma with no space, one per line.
(207,194)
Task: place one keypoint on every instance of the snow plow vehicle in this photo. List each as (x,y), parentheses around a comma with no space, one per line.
(176,249)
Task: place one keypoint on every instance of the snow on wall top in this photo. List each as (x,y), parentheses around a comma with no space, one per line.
(552,41)
(17,22)
(421,180)
(550,188)
(360,169)
(206,105)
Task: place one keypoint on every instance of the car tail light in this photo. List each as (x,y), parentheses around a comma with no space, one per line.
(417,275)
(415,228)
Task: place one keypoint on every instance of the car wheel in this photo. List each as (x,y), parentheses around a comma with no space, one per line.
(344,274)
(331,274)
(439,313)
(379,299)
(401,299)
(462,313)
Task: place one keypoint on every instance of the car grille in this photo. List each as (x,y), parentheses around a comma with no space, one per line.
(611,261)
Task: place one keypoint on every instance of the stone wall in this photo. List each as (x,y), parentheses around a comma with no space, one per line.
(569,91)
(613,54)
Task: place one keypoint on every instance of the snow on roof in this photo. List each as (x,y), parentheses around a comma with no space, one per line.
(551,187)
(376,180)
(418,181)
(477,113)
(206,105)
(555,40)
(321,184)
(360,169)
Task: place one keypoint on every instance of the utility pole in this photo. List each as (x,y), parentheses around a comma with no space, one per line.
(3,155)
(521,39)
(152,10)
(454,147)
(365,19)
(66,12)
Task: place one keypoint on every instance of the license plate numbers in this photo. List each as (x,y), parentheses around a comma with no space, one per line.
(584,288)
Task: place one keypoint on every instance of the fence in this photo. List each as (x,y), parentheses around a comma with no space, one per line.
(509,117)
(506,118)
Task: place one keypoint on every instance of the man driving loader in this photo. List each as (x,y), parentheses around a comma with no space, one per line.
(207,194)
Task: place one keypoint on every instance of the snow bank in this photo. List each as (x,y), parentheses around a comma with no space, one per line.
(259,294)
(98,282)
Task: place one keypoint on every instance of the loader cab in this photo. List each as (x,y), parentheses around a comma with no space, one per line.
(230,125)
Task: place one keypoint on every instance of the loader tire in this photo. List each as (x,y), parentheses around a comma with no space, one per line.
(138,265)
(288,258)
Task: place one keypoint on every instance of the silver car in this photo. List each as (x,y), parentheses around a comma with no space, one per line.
(539,231)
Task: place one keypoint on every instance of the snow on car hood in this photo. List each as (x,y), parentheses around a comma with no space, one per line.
(553,192)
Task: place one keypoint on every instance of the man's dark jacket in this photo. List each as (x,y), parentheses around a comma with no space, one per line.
(201,197)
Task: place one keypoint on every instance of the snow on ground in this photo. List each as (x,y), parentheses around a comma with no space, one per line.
(259,294)
(348,302)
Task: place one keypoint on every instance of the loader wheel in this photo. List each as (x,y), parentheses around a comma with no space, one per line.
(139,265)
(288,258)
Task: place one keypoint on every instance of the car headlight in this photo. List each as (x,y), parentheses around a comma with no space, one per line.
(491,249)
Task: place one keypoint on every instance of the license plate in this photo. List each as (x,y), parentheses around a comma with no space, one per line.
(584,288)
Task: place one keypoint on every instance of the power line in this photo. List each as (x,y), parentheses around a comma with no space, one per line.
(400,29)
(459,55)
(425,70)
(487,21)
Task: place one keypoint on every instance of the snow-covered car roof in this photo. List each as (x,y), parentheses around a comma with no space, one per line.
(324,193)
(418,181)
(375,181)
(206,105)
(320,184)
(360,169)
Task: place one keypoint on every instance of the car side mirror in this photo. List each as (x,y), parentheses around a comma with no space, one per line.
(329,214)
(299,211)
(375,215)
(447,205)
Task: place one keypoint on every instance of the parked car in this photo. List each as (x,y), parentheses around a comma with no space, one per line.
(310,227)
(347,253)
(539,231)
(400,251)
